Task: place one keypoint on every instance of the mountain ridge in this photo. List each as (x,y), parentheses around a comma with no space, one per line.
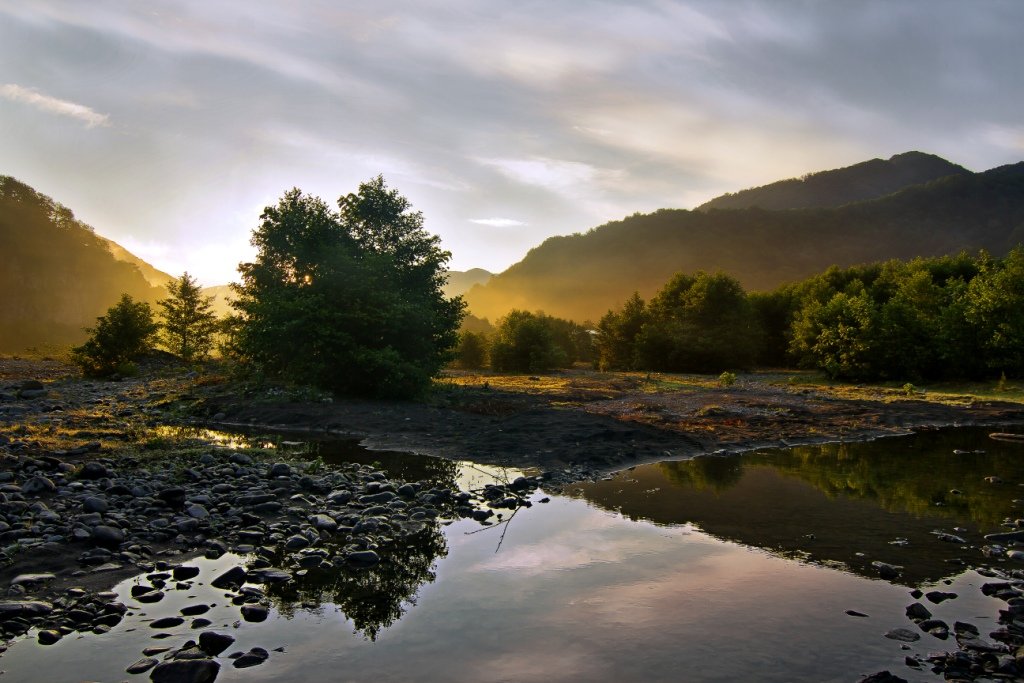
(581,276)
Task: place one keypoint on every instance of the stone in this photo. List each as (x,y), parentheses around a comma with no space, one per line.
(142,666)
(883,677)
(904,635)
(296,542)
(107,536)
(936,597)
(31,579)
(95,504)
(93,470)
(255,613)
(363,558)
(232,578)
(253,657)
(37,485)
(49,637)
(213,643)
(166,622)
(185,572)
(197,512)
(185,671)
(918,612)
(323,523)
(14,609)
(194,610)
(280,469)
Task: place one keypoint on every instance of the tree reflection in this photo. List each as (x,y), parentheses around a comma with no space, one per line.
(373,598)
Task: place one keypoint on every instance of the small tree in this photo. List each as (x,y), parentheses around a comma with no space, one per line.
(189,322)
(124,333)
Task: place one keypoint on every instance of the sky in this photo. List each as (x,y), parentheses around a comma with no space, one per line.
(168,125)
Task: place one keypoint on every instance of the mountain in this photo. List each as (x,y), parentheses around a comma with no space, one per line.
(582,276)
(867,180)
(461,281)
(56,275)
(157,278)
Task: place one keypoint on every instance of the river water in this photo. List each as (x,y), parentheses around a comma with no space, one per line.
(715,569)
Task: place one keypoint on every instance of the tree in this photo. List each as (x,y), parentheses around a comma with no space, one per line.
(524,342)
(349,301)
(124,333)
(189,322)
(617,334)
(472,350)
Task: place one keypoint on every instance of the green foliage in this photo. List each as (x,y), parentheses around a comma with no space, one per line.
(471,353)
(617,334)
(56,275)
(727,379)
(525,342)
(189,323)
(124,333)
(349,301)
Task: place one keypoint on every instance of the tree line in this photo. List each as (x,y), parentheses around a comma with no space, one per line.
(951,317)
(350,300)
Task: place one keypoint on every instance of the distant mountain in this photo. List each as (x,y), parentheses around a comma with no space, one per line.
(581,276)
(157,278)
(461,281)
(860,182)
(222,295)
(56,274)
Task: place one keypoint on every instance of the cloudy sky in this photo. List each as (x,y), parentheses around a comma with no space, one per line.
(168,125)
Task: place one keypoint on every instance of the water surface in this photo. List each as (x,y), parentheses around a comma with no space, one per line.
(717,569)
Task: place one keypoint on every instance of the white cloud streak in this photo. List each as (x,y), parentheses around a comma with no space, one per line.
(53,105)
(497,222)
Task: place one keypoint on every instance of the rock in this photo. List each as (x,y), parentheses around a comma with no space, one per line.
(296,542)
(107,536)
(93,470)
(197,512)
(885,570)
(904,635)
(213,643)
(269,575)
(855,613)
(378,498)
(936,627)
(166,622)
(95,504)
(174,497)
(142,666)
(883,677)
(31,579)
(255,613)
(323,523)
(201,622)
(232,578)
(185,671)
(37,485)
(279,469)
(185,572)
(939,596)
(253,657)
(918,612)
(49,637)
(194,610)
(149,598)
(25,608)
(363,558)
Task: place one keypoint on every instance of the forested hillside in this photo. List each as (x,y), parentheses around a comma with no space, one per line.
(56,275)
(867,180)
(581,276)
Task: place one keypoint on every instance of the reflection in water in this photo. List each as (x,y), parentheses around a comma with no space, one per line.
(850,503)
(374,598)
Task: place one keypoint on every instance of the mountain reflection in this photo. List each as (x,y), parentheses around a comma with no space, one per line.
(846,503)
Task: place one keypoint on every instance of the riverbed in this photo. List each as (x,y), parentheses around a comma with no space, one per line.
(713,569)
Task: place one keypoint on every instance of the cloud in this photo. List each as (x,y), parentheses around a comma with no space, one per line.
(497,222)
(90,117)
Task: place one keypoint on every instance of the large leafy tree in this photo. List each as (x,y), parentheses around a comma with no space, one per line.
(189,321)
(347,300)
